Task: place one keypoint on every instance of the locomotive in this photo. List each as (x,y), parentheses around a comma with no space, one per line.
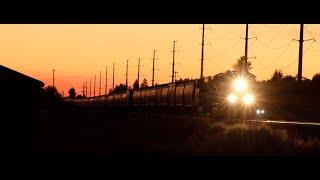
(223,95)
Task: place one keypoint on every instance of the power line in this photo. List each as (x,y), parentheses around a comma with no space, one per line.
(279,47)
(277,58)
(280,55)
(286,66)
(229,38)
(306,27)
(268,26)
(293,62)
(312,37)
(273,38)
(290,64)
(234,29)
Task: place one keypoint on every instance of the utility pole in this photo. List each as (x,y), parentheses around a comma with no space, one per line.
(86,89)
(153,59)
(127,75)
(173,57)
(245,69)
(113,77)
(300,53)
(53,70)
(301,40)
(83,89)
(94,86)
(90,88)
(138,73)
(106,87)
(100,85)
(202,51)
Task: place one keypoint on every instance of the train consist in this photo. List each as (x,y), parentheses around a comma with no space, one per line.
(222,94)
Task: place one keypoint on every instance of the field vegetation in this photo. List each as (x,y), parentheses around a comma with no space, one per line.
(104,134)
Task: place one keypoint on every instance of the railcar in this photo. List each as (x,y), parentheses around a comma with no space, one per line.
(223,95)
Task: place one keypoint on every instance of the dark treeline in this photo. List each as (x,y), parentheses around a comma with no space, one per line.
(289,98)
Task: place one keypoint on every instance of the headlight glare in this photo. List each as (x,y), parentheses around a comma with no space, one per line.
(232,98)
(240,84)
(248,99)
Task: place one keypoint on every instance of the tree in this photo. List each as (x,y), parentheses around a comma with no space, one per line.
(144,83)
(183,80)
(277,75)
(238,65)
(52,91)
(121,88)
(289,78)
(316,78)
(315,83)
(72,93)
(110,91)
(136,84)
(79,96)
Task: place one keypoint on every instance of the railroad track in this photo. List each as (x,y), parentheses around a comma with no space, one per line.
(294,128)
(285,122)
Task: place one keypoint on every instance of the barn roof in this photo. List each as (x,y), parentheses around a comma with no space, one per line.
(10,76)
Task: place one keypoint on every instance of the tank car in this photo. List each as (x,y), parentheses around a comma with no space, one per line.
(225,95)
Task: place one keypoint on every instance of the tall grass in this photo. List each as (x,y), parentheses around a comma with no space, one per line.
(245,139)
(91,132)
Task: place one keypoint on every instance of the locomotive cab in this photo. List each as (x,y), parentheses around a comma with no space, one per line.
(237,95)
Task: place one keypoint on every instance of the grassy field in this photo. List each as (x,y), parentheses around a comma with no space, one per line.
(98,133)
(244,139)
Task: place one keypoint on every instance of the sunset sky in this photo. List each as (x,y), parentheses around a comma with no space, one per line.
(78,52)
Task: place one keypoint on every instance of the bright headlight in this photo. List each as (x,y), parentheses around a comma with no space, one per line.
(248,99)
(260,111)
(240,84)
(232,98)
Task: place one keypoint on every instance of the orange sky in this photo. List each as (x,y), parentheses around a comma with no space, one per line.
(78,52)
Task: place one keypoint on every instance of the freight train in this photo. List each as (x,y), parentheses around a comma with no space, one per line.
(223,95)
